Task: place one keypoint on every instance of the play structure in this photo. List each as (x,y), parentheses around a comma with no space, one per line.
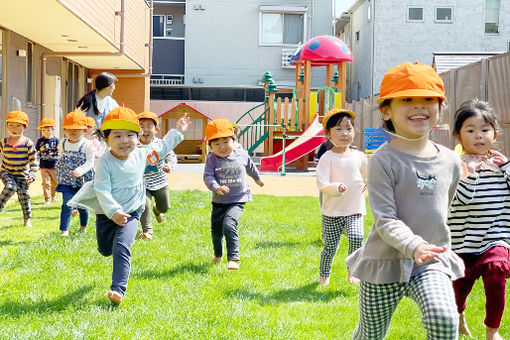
(298,120)
(193,148)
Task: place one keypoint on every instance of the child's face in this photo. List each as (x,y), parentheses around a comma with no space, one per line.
(149,130)
(222,147)
(122,143)
(341,134)
(15,129)
(75,135)
(476,135)
(47,131)
(412,117)
(90,131)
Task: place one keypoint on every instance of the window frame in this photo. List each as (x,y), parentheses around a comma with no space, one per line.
(413,20)
(165,26)
(303,10)
(436,20)
(497,24)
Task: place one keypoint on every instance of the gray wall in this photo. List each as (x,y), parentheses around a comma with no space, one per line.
(222,42)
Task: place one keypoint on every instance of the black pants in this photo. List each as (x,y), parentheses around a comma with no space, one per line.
(224,219)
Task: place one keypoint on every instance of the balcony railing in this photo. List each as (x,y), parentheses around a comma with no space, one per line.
(286,54)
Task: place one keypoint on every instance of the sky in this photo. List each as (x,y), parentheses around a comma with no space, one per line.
(342,6)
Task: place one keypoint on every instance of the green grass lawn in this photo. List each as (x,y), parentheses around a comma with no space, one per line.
(51,287)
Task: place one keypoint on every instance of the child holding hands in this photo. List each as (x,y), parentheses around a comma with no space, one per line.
(480,213)
(411,182)
(341,178)
(225,175)
(118,191)
(19,164)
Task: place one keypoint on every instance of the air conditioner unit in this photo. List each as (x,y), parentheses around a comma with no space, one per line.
(52,101)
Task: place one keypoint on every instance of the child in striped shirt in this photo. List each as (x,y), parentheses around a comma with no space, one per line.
(19,163)
(156,181)
(479,217)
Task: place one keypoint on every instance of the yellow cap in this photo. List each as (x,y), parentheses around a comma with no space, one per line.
(218,128)
(336,111)
(121,118)
(46,122)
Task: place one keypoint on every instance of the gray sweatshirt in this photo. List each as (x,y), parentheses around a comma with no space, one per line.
(409,197)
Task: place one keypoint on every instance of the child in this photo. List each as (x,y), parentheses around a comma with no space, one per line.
(225,175)
(118,191)
(19,163)
(156,181)
(480,212)
(47,150)
(341,178)
(411,182)
(74,168)
(94,136)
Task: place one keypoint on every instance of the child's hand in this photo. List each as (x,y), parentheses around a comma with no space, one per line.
(183,123)
(341,187)
(426,251)
(75,174)
(222,190)
(260,183)
(30,179)
(120,218)
(167,169)
(498,157)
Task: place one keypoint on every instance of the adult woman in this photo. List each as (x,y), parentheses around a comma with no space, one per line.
(99,102)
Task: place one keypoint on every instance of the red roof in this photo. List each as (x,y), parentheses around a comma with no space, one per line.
(325,50)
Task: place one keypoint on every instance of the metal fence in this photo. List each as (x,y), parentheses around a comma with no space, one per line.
(487,79)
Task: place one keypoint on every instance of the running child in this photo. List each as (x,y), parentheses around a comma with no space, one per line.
(480,214)
(118,191)
(411,182)
(19,164)
(156,181)
(341,179)
(74,168)
(47,150)
(225,175)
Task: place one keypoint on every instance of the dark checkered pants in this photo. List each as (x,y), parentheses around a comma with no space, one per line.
(433,292)
(15,184)
(332,229)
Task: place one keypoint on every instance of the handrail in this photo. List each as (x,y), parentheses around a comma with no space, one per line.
(258,131)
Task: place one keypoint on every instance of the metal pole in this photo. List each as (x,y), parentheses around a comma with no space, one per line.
(284,137)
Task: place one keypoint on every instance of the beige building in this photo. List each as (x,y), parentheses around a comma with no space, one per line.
(50,51)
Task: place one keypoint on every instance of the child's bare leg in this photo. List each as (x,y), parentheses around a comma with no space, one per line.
(492,334)
(352,280)
(27,223)
(463,327)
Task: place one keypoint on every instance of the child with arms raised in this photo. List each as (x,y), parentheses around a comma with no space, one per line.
(47,150)
(341,178)
(156,181)
(480,214)
(411,182)
(225,175)
(19,163)
(118,191)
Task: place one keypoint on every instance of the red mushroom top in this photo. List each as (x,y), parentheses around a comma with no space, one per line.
(324,50)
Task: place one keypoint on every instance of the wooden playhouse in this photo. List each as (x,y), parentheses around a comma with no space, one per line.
(193,148)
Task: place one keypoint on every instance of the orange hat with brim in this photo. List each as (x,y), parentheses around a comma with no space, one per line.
(17,117)
(411,80)
(121,118)
(218,128)
(90,121)
(46,122)
(336,111)
(148,115)
(75,120)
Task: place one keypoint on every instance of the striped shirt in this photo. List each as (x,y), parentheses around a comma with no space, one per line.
(154,176)
(479,217)
(19,160)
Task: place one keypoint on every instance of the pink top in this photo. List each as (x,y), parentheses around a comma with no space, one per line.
(349,169)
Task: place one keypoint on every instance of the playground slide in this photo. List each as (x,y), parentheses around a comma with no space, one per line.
(311,138)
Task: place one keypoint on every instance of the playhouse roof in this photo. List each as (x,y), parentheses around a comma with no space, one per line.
(324,50)
(190,110)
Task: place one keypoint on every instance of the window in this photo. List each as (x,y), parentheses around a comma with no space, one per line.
(30,74)
(444,14)
(415,14)
(282,25)
(491,16)
(161,25)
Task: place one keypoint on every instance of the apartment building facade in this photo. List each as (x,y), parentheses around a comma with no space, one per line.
(385,33)
(50,51)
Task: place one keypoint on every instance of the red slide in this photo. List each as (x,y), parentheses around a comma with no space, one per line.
(311,138)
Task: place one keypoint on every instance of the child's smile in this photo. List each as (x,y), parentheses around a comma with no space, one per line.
(122,143)
(412,117)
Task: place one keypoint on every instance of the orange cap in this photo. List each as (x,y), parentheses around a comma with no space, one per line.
(17,117)
(46,122)
(336,111)
(148,115)
(90,121)
(218,128)
(121,118)
(411,80)
(75,120)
